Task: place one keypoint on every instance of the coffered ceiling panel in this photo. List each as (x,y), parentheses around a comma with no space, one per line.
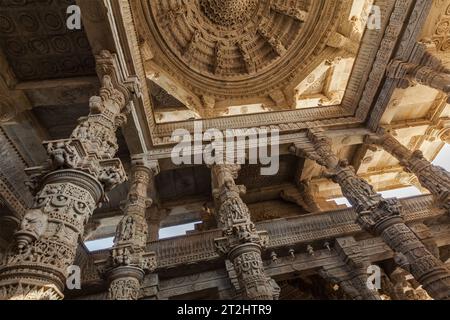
(37,43)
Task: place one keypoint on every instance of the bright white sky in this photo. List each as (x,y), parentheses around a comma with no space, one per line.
(443,160)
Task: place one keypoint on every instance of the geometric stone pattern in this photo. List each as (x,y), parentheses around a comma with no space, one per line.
(38,44)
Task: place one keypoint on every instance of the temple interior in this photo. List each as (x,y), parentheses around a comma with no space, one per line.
(347,100)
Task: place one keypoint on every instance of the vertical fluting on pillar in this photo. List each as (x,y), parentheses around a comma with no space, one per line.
(67,190)
(381,217)
(241,242)
(130,261)
(434,178)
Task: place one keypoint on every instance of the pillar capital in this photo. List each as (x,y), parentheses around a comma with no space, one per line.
(144,161)
(422,68)
(434,178)
(381,216)
(240,241)
(67,190)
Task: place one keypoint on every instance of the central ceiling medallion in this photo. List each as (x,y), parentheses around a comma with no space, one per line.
(237,51)
(229,13)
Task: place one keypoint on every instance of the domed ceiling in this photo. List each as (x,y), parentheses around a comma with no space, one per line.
(221,53)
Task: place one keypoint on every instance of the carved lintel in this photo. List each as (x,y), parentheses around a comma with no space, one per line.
(351,275)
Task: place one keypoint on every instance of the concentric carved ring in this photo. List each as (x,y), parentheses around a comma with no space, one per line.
(237,49)
(229,12)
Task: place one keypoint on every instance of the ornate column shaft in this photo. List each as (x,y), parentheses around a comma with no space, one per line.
(67,190)
(423,75)
(130,262)
(434,178)
(381,217)
(241,243)
(424,68)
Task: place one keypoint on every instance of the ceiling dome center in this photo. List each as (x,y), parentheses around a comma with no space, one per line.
(229,13)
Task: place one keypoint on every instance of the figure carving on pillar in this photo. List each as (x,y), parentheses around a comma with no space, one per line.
(67,190)
(126,229)
(241,242)
(130,262)
(381,217)
(32,228)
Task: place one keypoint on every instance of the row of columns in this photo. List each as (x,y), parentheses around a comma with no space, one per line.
(241,242)
(81,169)
(382,217)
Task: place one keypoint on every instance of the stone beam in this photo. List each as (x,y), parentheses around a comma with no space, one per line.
(282,265)
(415,23)
(57,83)
(340,137)
(285,232)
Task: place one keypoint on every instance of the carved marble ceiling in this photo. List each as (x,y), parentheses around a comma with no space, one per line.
(37,43)
(261,55)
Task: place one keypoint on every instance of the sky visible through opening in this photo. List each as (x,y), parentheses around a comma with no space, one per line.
(443,160)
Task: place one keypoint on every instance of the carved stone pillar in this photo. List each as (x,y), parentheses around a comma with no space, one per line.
(381,217)
(434,178)
(67,190)
(424,234)
(241,243)
(413,73)
(423,68)
(129,260)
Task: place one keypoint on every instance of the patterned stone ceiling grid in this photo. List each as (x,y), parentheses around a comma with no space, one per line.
(37,43)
